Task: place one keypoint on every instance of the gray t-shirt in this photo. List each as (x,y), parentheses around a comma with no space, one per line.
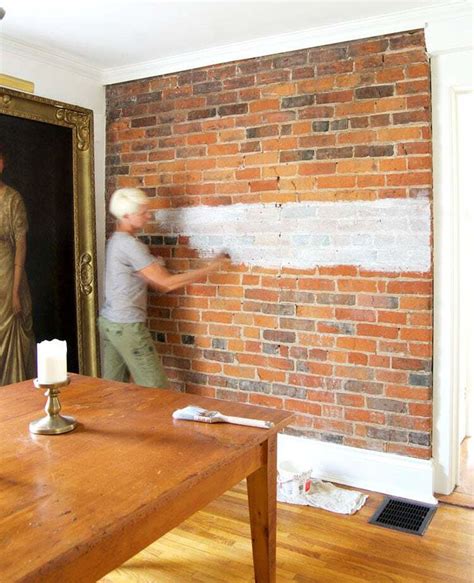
(125,290)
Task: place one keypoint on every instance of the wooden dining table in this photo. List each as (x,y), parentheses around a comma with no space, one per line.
(75,506)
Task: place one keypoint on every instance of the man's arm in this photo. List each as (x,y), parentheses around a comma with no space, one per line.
(160,278)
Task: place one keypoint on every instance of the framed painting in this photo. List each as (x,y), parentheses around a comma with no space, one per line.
(49,162)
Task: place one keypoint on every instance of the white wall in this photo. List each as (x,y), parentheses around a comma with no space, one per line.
(55,78)
(450,44)
(464,106)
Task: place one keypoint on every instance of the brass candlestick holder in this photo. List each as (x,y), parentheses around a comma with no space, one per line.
(53,423)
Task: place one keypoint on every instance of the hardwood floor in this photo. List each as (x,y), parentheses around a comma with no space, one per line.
(314,546)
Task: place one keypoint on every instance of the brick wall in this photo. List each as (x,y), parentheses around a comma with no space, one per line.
(314,169)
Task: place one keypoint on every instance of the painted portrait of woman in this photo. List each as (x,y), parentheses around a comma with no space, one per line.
(17,346)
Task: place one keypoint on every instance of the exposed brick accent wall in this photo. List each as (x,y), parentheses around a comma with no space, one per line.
(346,347)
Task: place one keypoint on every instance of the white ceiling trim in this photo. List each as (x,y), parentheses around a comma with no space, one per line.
(453,33)
(320,36)
(61,60)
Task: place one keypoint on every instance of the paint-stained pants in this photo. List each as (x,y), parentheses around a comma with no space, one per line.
(129,350)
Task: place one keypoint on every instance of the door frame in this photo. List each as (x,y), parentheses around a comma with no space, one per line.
(446,209)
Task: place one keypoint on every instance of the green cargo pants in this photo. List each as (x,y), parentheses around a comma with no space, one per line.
(129,350)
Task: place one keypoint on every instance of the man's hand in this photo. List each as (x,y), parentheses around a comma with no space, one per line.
(220,261)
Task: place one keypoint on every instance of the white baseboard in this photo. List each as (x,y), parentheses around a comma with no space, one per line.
(386,473)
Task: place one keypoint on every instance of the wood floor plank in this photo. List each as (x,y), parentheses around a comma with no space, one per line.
(313,546)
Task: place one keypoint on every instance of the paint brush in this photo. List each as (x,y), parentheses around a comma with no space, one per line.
(193,413)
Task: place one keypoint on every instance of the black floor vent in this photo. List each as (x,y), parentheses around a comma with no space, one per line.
(404,515)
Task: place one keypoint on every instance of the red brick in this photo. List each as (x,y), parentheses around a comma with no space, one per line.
(351,400)
(223,137)
(266,401)
(409,287)
(421,350)
(391,376)
(375,360)
(364,415)
(333,425)
(359,344)
(405,392)
(272,376)
(357,358)
(418,334)
(377,331)
(301,380)
(222,317)
(353,372)
(420,409)
(410,364)
(239,372)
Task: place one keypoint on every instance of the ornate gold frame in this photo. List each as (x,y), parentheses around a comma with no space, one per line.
(79,120)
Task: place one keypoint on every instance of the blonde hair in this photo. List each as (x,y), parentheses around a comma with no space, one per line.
(126,201)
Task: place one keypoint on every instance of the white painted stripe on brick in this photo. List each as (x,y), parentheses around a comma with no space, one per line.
(382,235)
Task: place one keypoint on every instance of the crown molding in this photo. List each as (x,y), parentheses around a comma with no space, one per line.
(46,56)
(451,32)
(314,37)
(435,19)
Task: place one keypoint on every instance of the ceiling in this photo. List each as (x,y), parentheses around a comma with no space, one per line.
(107,34)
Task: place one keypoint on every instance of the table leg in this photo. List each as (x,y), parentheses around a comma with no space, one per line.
(261,486)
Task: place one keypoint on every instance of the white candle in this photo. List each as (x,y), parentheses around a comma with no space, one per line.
(52,364)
